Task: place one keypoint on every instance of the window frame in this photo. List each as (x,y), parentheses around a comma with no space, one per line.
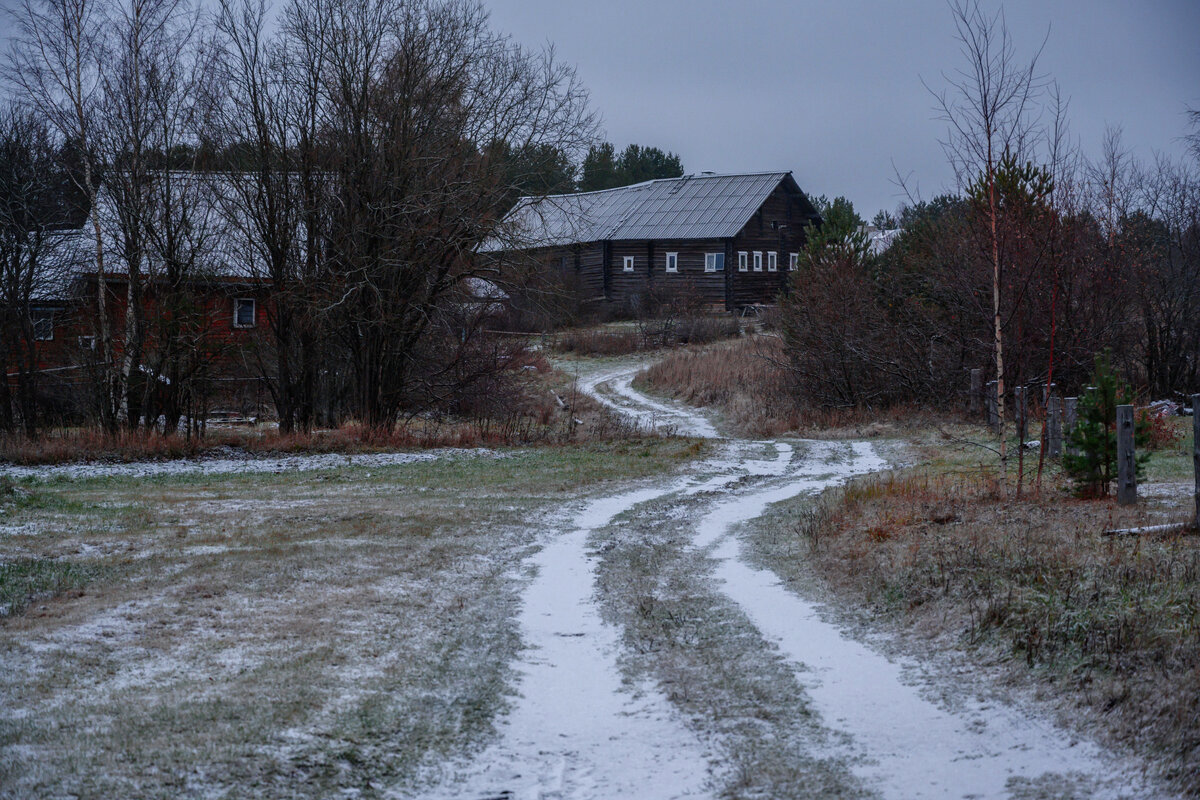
(743,260)
(710,262)
(672,262)
(237,304)
(627,263)
(772,261)
(793,261)
(40,316)
(758,261)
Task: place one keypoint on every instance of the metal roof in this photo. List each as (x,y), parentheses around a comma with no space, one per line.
(704,206)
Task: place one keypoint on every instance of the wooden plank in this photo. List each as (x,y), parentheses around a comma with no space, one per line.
(1054,435)
(1021,412)
(1126,465)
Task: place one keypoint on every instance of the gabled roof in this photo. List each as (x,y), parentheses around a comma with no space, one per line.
(704,206)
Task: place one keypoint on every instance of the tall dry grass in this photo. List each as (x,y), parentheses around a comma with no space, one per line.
(1115,621)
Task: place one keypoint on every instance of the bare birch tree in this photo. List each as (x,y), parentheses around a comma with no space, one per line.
(990,106)
(54,63)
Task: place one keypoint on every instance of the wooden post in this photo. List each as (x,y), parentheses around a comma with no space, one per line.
(1070,419)
(973,399)
(1126,466)
(993,414)
(1021,411)
(1047,393)
(1054,437)
(1196,451)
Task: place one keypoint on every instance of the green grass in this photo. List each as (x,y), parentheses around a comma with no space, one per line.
(28,579)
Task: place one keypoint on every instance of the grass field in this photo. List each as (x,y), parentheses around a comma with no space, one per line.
(302,634)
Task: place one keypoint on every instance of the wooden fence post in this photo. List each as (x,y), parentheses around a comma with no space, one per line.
(1054,435)
(993,414)
(1196,451)
(1070,419)
(976,392)
(1126,465)
(1021,410)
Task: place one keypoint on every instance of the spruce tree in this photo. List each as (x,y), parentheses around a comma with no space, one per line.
(1091,458)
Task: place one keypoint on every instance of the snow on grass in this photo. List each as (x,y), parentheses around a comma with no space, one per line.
(577,731)
(248,464)
(613,388)
(905,746)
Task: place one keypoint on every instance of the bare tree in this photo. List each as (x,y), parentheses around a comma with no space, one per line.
(36,204)
(990,107)
(414,93)
(265,119)
(55,65)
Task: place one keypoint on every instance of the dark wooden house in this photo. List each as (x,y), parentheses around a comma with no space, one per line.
(729,240)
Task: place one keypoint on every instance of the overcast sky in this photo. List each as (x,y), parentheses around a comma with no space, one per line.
(832,90)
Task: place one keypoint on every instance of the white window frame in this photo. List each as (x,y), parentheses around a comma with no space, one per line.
(793,261)
(710,262)
(672,264)
(758,260)
(87,342)
(743,261)
(627,264)
(772,261)
(38,317)
(237,301)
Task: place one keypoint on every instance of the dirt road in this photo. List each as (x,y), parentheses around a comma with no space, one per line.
(665,660)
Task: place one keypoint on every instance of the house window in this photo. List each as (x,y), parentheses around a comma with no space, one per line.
(43,324)
(743,261)
(714,262)
(758,261)
(628,263)
(672,262)
(243,312)
(793,260)
(87,342)
(772,261)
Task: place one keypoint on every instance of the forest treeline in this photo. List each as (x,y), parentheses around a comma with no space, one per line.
(1041,260)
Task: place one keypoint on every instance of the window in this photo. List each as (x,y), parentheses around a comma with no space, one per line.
(772,261)
(87,342)
(43,324)
(243,312)
(758,261)
(793,260)
(714,262)
(743,261)
(628,263)
(672,262)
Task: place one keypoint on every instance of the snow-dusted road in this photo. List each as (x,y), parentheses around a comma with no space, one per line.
(579,731)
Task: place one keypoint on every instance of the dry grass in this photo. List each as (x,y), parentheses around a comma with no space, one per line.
(1113,621)
(645,335)
(746,381)
(545,409)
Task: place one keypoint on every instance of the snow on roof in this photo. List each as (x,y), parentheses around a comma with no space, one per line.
(705,206)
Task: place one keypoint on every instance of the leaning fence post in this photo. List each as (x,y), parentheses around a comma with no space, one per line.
(1054,426)
(1196,450)
(1070,419)
(993,414)
(1021,411)
(1126,466)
